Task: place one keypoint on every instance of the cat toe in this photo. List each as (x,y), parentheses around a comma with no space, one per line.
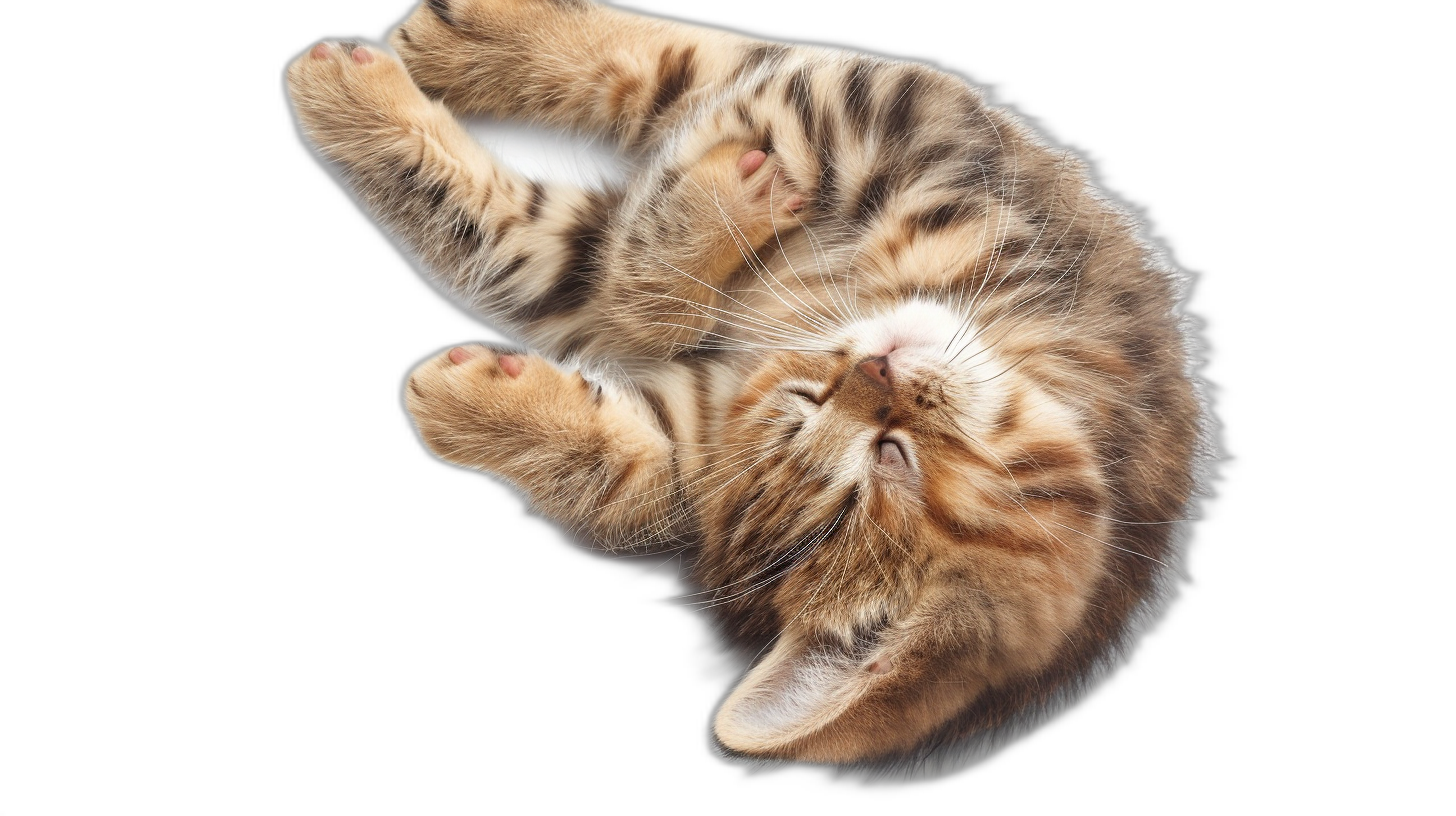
(495,361)
(750,162)
(333,61)
(346,94)
(761,170)
(460,356)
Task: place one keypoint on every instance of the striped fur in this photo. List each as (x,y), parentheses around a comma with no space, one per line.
(914,396)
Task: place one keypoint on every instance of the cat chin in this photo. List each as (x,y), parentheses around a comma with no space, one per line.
(917,326)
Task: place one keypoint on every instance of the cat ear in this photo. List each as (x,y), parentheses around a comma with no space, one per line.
(823,699)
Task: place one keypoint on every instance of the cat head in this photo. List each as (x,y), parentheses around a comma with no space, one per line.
(906,517)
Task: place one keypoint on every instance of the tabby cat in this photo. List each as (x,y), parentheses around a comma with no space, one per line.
(914,397)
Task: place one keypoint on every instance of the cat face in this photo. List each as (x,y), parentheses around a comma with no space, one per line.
(881,483)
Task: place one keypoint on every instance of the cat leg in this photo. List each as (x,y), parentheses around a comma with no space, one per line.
(595,459)
(570,63)
(522,253)
(558,265)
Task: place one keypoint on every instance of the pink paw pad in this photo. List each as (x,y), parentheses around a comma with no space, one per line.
(751,161)
(362,56)
(321,51)
(512,365)
(460,356)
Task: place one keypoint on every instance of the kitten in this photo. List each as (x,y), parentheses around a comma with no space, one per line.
(916,398)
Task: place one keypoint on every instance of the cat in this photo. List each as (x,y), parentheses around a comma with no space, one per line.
(915,398)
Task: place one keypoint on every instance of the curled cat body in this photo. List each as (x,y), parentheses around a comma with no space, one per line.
(914,397)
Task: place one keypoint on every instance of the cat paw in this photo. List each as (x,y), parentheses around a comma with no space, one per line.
(427,43)
(750,191)
(463,377)
(344,91)
(445,43)
(473,403)
(765,184)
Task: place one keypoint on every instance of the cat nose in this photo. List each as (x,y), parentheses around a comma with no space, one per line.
(877,369)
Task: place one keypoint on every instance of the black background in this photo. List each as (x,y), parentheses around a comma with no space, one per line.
(425,640)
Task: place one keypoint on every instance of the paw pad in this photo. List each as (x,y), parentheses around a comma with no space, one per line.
(751,161)
(772,184)
(514,365)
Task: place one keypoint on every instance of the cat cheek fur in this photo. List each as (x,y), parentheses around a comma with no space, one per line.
(915,397)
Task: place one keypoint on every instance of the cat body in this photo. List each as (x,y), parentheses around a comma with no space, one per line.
(915,398)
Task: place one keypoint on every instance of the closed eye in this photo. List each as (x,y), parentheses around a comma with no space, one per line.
(806,395)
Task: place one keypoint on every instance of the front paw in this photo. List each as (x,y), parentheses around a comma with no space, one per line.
(477,406)
(347,95)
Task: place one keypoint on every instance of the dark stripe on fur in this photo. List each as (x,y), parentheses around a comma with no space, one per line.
(937,153)
(857,86)
(758,55)
(938,218)
(509,270)
(467,234)
(900,116)
(873,196)
(790,431)
(435,194)
(676,72)
(577,281)
(1012,249)
(538,197)
(1005,419)
(1045,460)
(442,10)
(669,181)
(797,94)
